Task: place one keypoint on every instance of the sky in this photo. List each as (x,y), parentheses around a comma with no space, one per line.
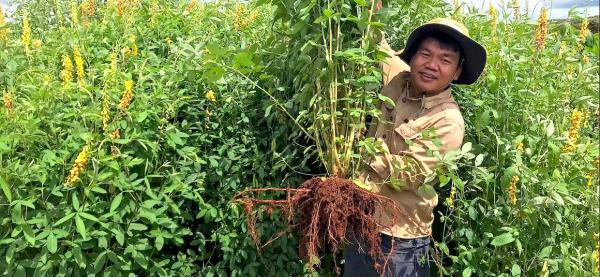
(558,9)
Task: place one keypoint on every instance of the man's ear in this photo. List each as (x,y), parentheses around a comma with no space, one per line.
(458,72)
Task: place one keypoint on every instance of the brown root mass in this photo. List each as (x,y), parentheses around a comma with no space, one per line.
(326,212)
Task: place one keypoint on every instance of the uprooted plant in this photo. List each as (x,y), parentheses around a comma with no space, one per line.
(332,56)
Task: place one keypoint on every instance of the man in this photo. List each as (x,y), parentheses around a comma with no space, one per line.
(425,117)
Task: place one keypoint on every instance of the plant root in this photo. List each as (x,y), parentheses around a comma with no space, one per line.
(326,213)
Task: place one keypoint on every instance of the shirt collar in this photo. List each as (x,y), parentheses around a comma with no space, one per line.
(431,101)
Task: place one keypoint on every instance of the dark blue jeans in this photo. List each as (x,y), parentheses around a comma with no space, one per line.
(410,257)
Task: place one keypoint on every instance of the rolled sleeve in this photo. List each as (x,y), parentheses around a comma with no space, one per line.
(392,65)
(408,169)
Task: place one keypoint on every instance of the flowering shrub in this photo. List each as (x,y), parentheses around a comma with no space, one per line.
(128,126)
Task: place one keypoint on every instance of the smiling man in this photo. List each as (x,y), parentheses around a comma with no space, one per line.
(425,118)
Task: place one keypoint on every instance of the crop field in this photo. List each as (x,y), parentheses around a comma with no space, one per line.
(128,128)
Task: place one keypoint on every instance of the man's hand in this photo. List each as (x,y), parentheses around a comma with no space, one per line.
(378,5)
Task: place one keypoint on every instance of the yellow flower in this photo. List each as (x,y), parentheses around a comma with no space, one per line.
(586,59)
(3,28)
(8,101)
(544,272)
(168,41)
(542,30)
(87,7)
(134,48)
(589,179)
(520,147)
(516,10)
(79,64)
(26,36)
(450,198)
(47,79)
(583,30)
(78,166)
(570,71)
(126,52)
(241,17)
(512,190)
(127,95)
(597,164)
(113,63)
(493,19)
(115,135)
(596,254)
(190,6)
(74,14)
(37,43)
(66,73)
(120,4)
(105,111)
(210,95)
(576,118)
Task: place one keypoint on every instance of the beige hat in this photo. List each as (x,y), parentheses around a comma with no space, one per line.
(473,53)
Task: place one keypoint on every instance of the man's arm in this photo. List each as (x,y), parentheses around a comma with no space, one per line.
(392,65)
(410,168)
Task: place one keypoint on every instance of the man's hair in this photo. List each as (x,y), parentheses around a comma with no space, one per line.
(446,42)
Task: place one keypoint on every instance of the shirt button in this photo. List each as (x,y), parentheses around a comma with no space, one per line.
(406,120)
(391,117)
(384,136)
(403,100)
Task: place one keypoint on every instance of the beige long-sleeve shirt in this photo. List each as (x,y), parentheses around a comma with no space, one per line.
(408,130)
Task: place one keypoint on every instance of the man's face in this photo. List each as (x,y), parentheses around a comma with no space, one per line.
(432,67)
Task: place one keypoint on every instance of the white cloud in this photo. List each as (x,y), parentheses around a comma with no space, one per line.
(558,9)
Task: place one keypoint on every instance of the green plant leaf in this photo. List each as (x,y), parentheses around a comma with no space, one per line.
(516,270)
(64,219)
(51,243)
(159,242)
(80,226)
(503,239)
(546,251)
(137,227)
(28,232)
(75,201)
(116,202)
(6,189)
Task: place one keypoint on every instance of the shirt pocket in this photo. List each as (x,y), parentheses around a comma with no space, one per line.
(405,131)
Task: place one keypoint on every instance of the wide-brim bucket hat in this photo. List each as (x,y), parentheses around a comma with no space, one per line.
(473,54)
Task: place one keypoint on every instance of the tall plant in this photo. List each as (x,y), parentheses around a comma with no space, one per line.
(333,56)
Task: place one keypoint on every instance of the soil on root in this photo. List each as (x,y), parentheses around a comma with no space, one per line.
(326,213)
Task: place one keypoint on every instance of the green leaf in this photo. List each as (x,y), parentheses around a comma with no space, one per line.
(63,219)
(100,261)
(516,270)
(80,226)
(467,272)
(88,216)
(119,236)
(79,258)
(29,235)
(51,243)
(243,59)
(6,189)
(503,239)
(546,251)
(466,148)
(116,202)
(479,160)
(137,227)
(75,201)
(159,242)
